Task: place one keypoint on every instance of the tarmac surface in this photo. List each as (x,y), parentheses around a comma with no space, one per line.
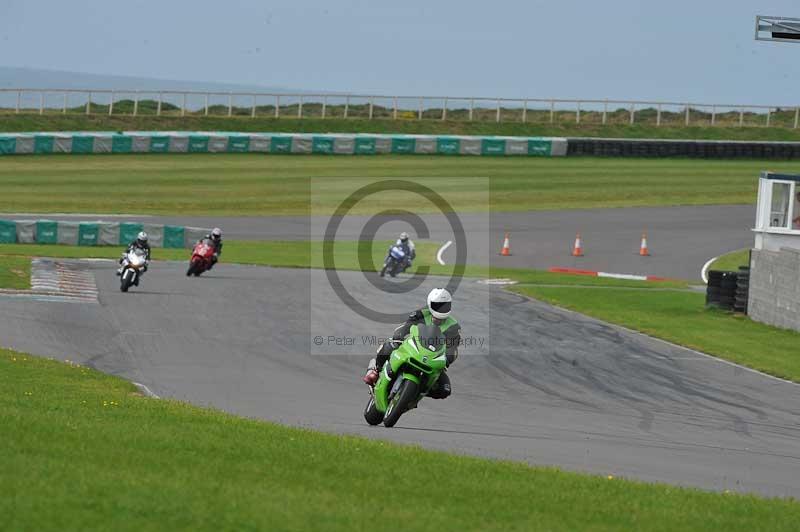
(547,386)
(681,239)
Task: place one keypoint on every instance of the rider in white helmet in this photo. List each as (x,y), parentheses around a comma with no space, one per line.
(141,242)
(436,313)
(408,247)
(216,238)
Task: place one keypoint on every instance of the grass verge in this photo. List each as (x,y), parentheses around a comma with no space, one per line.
(731,261)
(86,452)
(681,317)
(15,272)
(256,184)
(567,127)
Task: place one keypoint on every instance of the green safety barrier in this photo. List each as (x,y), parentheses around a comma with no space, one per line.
(8,232)
(174,236)
(295,143)
(46,232)
(88,233)
(281,145)
(8,145)
(128,232)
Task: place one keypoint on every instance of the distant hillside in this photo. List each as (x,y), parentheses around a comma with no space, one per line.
(13,77)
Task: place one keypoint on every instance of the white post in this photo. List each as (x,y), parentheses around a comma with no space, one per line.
(741,117)
(578,113)
(278,106)
(444,110)
(796,116)
(658,115)
(769,115)
(111,104)
(19,99)
(419,114)
(471,108)
(346,105)
(183,105)
(135,103)
(41,103)
(300,107)
(524,111)
(206,108)
(552,111)
(158,107)
(371,106)
(633,112)
(324,105)
(686,121)
(253,110)
(394,108)
(497,116)
(713,115)
(605,111)
(89,103)
(230,104)
(64,109)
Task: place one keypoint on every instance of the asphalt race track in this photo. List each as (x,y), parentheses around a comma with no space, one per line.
(548,387)
(681,239)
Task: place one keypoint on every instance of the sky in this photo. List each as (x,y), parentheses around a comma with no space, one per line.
(703,51)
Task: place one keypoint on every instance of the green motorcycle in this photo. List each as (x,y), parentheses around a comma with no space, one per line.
(410,373)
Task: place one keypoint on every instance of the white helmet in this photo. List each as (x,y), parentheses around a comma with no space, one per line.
(439,303)
(142,237)
(216,233)
(403,236)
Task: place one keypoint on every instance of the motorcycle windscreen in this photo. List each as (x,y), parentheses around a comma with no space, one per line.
(397,253)
(432,338)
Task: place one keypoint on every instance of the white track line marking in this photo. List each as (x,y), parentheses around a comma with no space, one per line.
(441,250)
(704,271)
(145,390)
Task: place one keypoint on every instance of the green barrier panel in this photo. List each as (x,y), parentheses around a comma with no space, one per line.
(238,143)
(540,147)
(88,233)
(46,232)
(82,144)
(8,232)
(173,236)
(493,147)
(448,146)
(281,145)
(322,145)
(8,145)
(121,144)
(159,144)
(198,144)
(364,146)
(128,232)
(43,144)
(404,145)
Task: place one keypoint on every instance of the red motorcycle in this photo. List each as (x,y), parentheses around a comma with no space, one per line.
(202,258)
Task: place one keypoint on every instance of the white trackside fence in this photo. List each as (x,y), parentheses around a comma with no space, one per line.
(376,107)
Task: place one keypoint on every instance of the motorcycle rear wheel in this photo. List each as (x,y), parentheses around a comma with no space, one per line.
(398,404)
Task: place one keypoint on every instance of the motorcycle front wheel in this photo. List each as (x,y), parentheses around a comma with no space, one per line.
(398,404)
(372,415)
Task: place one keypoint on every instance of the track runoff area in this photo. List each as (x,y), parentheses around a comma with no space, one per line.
(532,382)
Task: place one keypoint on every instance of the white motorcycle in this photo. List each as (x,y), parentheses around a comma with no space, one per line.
(134,263)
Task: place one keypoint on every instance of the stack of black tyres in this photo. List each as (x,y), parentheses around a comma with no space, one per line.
(721,289)
(742,290)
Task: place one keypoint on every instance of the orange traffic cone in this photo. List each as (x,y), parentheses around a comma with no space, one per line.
(643,251)
(506,251)
(577,250)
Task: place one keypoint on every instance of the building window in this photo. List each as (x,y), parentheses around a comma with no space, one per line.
(779,210)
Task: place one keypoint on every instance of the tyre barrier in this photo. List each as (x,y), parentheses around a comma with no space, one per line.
(728,290)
